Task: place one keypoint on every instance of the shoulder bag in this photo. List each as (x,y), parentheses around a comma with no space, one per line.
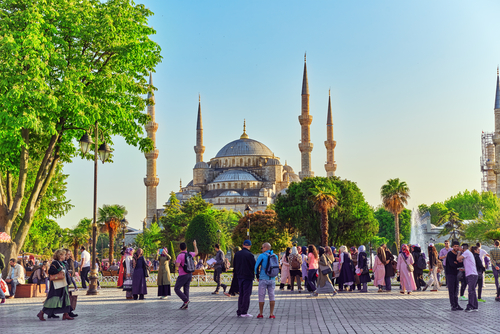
(409,266)
(325,270)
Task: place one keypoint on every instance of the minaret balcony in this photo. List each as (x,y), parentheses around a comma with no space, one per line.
(152,155)
(306,147)
(331,167)
(330,145)
(151,181)
(305,119)
(152,126)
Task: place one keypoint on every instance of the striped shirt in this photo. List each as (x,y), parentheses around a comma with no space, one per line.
(495,256)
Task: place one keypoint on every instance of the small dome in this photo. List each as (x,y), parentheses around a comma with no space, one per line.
(230,193)
(292,177)
(273,162)
(190,184)
(244,146)
(288,169)
(235,175)
(201,164)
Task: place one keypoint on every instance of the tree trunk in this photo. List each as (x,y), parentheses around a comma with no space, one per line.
(9,250)
(111,245)
(324,228)
(396,230)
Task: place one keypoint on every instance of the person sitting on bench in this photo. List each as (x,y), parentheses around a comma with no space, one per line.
(15,276)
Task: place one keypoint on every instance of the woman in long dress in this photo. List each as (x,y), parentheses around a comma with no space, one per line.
(324,283)
(364,279)
(57,299)
(379,269)
(164,273)
(389,270)
(119,284)
(285,270)
(354,258)
(128,270)
(234,288)
(139,287)
(346,270)
(405,276)
(433,268)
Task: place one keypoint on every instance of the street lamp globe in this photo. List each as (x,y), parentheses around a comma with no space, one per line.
(104,152)
(85,143)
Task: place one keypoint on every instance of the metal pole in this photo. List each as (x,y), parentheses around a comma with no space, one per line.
(93,273)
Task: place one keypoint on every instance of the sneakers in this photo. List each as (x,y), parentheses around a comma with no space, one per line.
(163,297)
(246,315)
(463,298)
(481,300)
(459,308)
(184,306)
(215,293)
(260,316)
(497,299)
(471,310)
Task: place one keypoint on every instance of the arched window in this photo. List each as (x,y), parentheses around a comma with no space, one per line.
(218,185)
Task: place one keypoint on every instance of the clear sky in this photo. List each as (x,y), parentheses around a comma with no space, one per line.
(412,85)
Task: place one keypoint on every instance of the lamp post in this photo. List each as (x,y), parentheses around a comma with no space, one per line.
(103,151)
(248,209)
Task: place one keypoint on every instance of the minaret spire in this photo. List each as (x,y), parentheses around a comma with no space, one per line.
(497,94)
(244,135)
(330,144)
(199,149)
(151,180)
(305,120)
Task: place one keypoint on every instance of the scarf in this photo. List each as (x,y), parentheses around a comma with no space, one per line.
(361,249)
(405,251)
(137,255)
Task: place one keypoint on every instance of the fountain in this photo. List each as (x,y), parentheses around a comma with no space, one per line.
(417,229)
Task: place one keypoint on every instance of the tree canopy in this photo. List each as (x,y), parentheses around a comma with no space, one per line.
(65,66)
(351,221)
(203,228)
(395,195)
(386,226)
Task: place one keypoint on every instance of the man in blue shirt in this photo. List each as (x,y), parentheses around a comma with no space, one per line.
(265,282)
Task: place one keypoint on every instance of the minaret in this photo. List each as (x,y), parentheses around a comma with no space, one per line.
(330,144)
(496,135)
(305,121)
(151,181)
(199,148)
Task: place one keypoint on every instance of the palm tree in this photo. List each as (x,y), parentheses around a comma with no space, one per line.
(395,195)
(452,224)
(109,218)
(323,200)
(76,237)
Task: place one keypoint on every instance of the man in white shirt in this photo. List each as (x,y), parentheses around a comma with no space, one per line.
(85,267)
(15,276)
(482,255)
(471,276)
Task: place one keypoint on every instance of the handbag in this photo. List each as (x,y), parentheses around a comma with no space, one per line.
(146,271)
(60,275)
(336,271)
(409,266)
(127,284)
(72,301)
(325,270)
(365,270)
(394,265)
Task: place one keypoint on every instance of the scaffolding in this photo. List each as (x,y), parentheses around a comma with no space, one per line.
(488,181)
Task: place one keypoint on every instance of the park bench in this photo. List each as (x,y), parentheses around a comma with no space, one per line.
(200,272)
(29,290)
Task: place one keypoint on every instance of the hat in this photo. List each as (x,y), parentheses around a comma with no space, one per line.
(431,244)
(247,243)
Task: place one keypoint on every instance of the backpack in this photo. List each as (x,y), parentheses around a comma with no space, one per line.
(295,264)
(421,264)
(225,265)
(188,266)
(273,265)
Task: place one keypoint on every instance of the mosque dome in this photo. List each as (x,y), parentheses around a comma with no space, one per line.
(288,168)
(235,175)
(201,164)
(230,193)
(273,162)
(244,146)
(292,177)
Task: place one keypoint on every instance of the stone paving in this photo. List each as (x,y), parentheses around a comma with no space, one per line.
(110,312)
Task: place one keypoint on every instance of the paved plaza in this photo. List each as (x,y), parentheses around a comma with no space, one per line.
(110,312)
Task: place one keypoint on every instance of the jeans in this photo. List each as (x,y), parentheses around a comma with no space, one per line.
(217,273)
(387,283)
(296,277)
(471,282)
(183,281)
(311,279)
(496,273)
(85,277)
(245,286)
(13,285)
(479,285)
(452,284)
(269,285)
(463,285)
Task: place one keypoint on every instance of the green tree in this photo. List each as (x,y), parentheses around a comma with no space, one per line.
(452,225)
(469,204)
(171,251)
(109,218)
(203,228)
(227,220)
(493,234)
(78,236)
(351,221)
(149,240)
(45,235)
(65,66)
(395,194)
(264,227)
(323,200)
(386,226)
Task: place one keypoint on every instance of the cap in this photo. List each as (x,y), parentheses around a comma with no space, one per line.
(247,243)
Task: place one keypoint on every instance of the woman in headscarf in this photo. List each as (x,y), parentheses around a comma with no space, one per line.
(164,273)
(379,269)
(139,287)
(405,275)
(364,278)
(285,270)
(346,269)
(128,270)
(324,283)
(433,268)
(295,260)
(234,288)
(354,257)
(389,270)
(119,284)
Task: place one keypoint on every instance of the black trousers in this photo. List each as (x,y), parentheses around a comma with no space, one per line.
(85,277)
(183,281)
(463,285)
(217,273)
(452,284)
(245,286)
